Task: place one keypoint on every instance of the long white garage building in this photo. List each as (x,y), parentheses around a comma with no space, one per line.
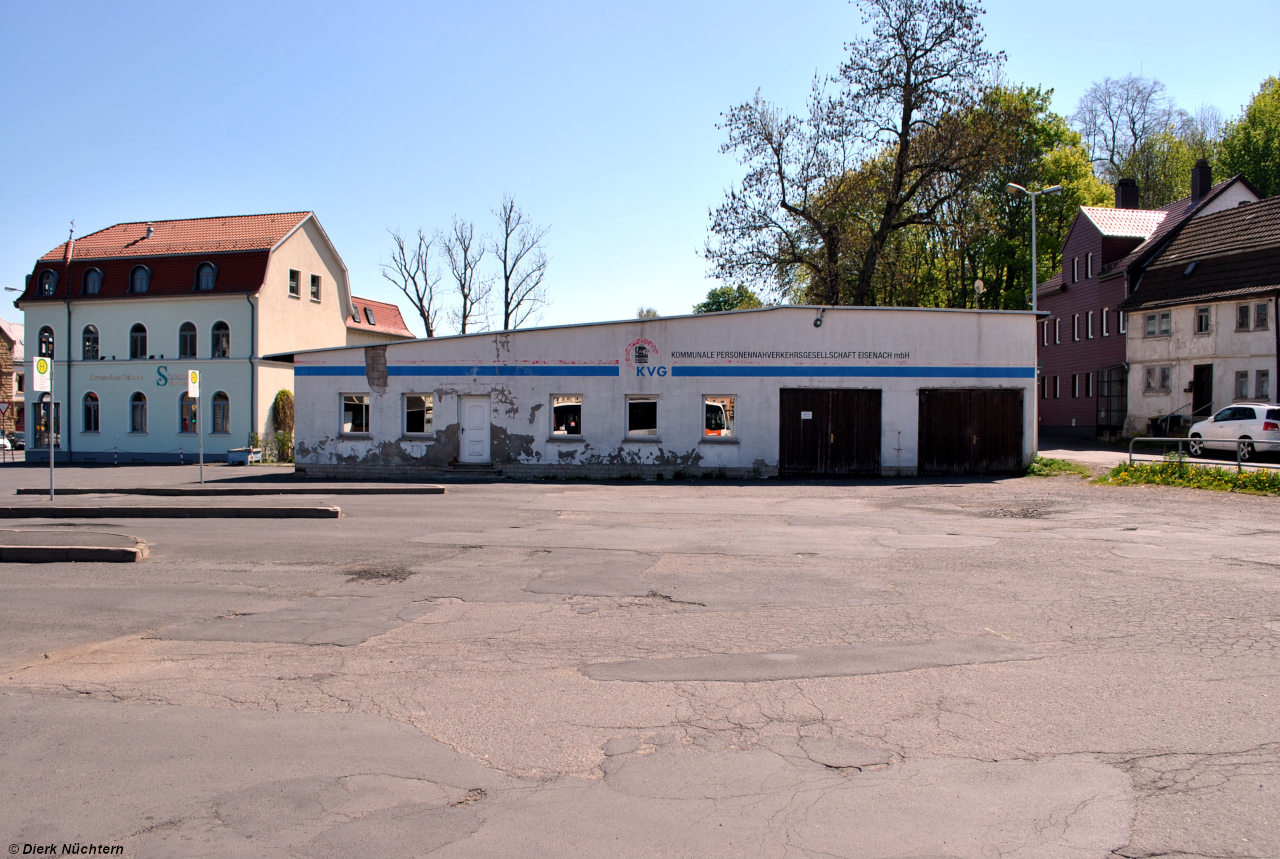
(786,391)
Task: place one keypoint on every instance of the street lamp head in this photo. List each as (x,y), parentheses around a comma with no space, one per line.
(1052,189)
(1015,190)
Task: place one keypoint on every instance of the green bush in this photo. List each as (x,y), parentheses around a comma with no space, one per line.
(1044,467)
(282,446)
(1174,473)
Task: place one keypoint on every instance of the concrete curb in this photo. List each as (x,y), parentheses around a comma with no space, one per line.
(205,491)
(62,554)
(169,512)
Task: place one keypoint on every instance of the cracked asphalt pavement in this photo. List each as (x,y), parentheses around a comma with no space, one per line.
(920,670)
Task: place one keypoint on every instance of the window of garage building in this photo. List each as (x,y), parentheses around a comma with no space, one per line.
(718,418)
(419,414)
(355,414)
(642,417)
(1262,388)
(1242,384)
(566,415)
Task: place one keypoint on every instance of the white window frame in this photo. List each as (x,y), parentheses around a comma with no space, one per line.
(643,435)
(429,420)
(1075,386)
(1261,316)
(342,413)
(581,403)
(1243,317)
(1122,320)
(1262,385)
(1106,320)
(1057,331)
(317,285)
(1088,385)
(1088,266)
(1057,388)
(1088,325)
(1204,314)
(1046,332)
(730,434)
(1075,269)
(295,283)
(1241,388)
(1075,328)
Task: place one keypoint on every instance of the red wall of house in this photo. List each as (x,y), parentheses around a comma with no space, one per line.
(1085,356)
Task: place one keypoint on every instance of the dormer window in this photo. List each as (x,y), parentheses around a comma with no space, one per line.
(48,281)
(93,281)
(206,275)
(139,279)
(368,315)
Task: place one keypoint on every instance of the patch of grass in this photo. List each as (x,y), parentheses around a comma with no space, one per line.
(1044,467)
(1174,473)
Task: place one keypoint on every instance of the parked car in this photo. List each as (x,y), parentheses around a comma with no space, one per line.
(5,444)
(1256,424)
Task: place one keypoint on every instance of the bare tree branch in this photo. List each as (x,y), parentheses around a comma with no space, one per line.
(464,252)
(410,271)
(518,249)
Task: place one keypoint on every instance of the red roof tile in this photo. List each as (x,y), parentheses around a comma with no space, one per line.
(1125,223)
(386,318)
(189,236)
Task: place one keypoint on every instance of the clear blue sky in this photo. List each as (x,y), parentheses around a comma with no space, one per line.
(600,118)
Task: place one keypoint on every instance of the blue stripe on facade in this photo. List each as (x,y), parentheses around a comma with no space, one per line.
(863,372)
(461,370)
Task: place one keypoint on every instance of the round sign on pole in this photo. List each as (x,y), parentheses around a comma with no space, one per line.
(193,383)
(43,375)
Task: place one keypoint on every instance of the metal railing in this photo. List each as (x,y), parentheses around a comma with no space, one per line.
(1241,444)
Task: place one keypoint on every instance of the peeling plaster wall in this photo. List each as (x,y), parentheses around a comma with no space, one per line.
(895,350)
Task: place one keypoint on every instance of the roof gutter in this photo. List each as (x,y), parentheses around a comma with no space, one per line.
(253,350)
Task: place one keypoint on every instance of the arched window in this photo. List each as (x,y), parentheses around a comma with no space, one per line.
(138,412)
(206,275)
(368,314)
(93,281)
(221,412)
(48,281)
(186,340)
(138,341)
(221,340)
(90,348)
(45,349)
(139,279)
(42,424)
(90,412)
(187,414)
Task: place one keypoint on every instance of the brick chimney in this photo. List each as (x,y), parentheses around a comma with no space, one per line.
(1127,194)
(1201,179)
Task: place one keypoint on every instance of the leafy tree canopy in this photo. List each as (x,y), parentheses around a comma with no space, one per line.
(1251,144)
(728,298)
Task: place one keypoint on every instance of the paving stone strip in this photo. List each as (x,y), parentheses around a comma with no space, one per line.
(168,511)
(180,491)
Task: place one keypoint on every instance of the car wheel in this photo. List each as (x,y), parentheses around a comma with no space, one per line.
(1196,446)
(1246,449)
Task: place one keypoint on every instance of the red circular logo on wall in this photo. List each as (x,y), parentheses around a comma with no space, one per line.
(642,353)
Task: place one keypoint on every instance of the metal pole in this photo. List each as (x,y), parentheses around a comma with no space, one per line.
(1035,307)
(200,433)
(53,371)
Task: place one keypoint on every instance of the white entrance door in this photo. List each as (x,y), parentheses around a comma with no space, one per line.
(475,429)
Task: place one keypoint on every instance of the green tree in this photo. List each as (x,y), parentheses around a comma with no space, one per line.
(728,298)
(1251,144)
(646,313)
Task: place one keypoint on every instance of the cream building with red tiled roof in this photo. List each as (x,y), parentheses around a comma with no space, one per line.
(127,311)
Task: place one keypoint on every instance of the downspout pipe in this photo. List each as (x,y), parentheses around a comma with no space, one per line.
(71,245)
(253,351)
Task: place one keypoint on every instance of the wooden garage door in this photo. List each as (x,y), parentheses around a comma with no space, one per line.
(970,431)
(828,431)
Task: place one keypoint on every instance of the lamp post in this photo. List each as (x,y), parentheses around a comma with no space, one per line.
(1019,191)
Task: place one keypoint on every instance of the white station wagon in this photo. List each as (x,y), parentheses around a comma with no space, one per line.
(1254,423)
